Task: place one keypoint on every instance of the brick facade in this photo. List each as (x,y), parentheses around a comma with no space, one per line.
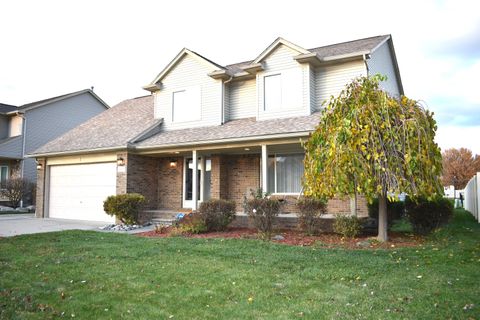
(170,184)
(142,173)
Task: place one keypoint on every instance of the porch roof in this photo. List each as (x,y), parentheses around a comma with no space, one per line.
(235,130)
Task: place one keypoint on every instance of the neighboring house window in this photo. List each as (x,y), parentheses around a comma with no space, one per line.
(186,104)
(283,90)
(285,172)
(16,123)
(3,176)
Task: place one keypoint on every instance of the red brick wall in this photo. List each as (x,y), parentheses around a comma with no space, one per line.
(142,172)
(242,174)
(170,180)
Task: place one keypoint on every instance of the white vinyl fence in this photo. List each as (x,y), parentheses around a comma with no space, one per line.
(472,196)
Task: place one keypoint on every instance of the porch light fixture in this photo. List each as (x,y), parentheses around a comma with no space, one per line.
(247,149)
(39,166)
(120,162)
(173,163)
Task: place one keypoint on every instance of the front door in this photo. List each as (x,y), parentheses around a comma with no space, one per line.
(203,176)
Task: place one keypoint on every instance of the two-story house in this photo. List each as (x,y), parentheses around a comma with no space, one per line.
(208,131)
(25,128)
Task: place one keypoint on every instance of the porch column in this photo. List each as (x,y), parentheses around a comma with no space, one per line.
(202,178)
(264,168)
(194,179)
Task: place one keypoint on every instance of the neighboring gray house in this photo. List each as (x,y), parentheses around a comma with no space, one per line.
(25,128)
(208,131)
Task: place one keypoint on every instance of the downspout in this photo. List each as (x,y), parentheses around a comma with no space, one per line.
(223,98)
(365,58)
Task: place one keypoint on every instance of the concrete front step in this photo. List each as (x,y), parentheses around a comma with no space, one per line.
(166,222)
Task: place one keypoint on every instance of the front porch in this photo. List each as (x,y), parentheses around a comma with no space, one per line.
(171,185)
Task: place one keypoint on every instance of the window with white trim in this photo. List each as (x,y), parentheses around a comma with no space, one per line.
(283,90)
(186,104)
(3,176)
(16,126)
(285,172)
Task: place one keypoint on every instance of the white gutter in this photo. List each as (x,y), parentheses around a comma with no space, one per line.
(220,141)
(83,151)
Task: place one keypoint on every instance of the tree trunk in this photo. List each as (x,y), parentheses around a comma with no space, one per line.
(353,205)
(382,218)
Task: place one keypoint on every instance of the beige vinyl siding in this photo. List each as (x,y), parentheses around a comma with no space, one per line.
(279,61)
(331,80)
(381,62)
(242,99)
(190,72)
(313,96)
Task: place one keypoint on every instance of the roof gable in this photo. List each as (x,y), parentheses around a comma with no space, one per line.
(154,85)
(279,41)
(44,102)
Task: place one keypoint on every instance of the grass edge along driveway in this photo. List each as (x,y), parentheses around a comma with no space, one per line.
(91,275)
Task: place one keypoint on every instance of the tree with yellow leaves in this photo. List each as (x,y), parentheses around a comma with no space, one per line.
(371,143)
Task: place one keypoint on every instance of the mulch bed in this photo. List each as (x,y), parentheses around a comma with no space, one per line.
(297,238)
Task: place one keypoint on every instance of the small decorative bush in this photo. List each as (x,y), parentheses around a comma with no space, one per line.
(217,213)
(125,207)
(262,213)
(192,223)
(161,228)
(347,226)
(428,215)
(310,210)
(395,210)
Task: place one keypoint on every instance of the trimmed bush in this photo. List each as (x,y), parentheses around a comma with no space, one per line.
(395,210)
(310,210)
(428,215)
(262,213)
(192,223)
(347,226)
(125,207)
(217,213)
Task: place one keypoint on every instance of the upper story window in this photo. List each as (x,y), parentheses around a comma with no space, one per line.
(285,172)
(15,126)
(186,104)
(3,176)
(283,90)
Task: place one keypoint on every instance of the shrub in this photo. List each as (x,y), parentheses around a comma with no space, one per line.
(16,189)
(192,223)
(310,210)
(428,215)
(125,207)
(262,212)
(347,226)
(395,210)
(161,228)
(217,214)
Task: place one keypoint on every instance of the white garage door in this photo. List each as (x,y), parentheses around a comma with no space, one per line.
(78,191)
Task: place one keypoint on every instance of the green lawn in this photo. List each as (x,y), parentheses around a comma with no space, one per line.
(91,275)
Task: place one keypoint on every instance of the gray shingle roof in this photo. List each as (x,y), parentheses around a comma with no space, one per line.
(5,108)
(116,127)
(235,129)
(349,47)
(112,128)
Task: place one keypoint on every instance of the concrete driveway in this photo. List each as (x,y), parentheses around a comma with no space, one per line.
(16,224)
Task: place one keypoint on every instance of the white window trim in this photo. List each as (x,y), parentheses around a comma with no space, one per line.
(281,73)
(8,170)
(274,193)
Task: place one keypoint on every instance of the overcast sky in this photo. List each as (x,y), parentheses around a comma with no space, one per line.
(48,48)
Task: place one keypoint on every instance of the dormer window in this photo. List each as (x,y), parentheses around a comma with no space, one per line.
(15,126)
(186,104)
(283,91)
